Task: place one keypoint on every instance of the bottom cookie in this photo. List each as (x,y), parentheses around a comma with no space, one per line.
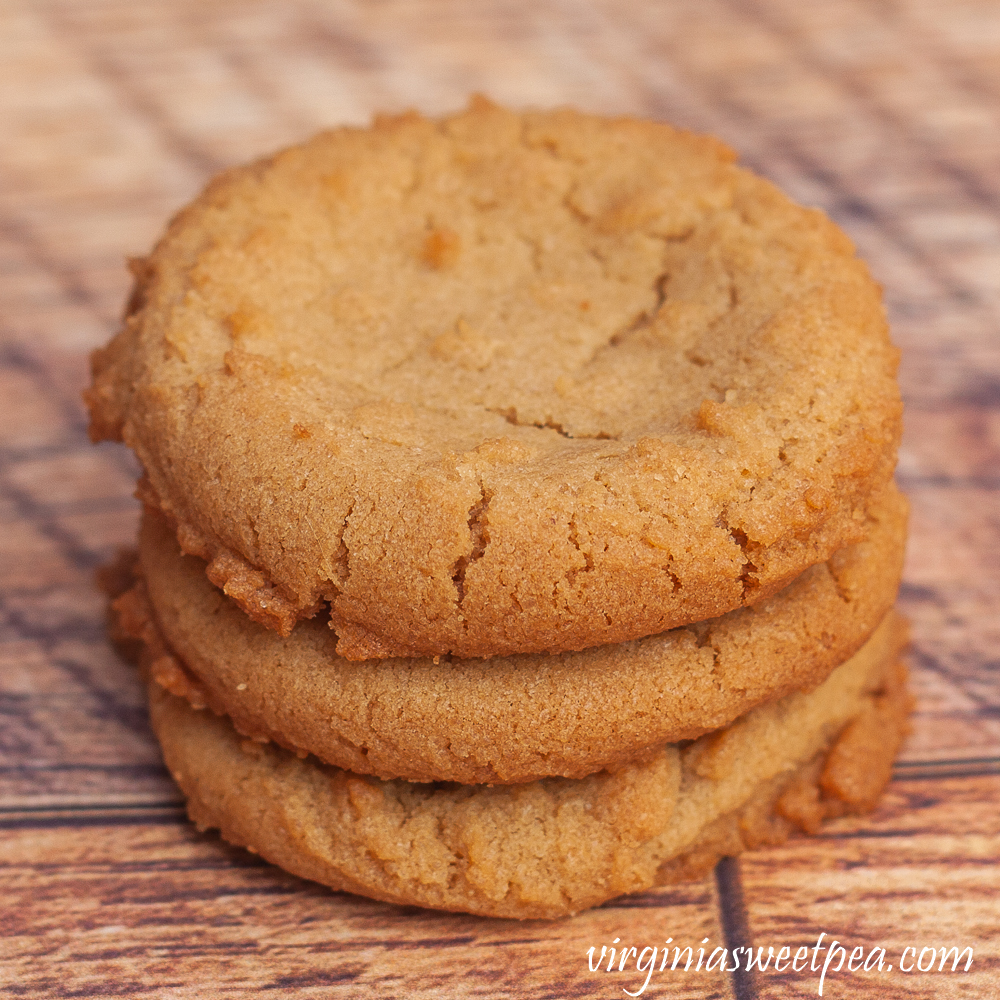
(558,845)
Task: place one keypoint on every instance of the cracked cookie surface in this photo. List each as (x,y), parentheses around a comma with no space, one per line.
(506,719)
(502,383)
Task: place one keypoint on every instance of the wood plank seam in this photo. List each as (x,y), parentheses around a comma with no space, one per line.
(735,923)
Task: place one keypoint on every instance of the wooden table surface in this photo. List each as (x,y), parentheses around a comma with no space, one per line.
(114,112)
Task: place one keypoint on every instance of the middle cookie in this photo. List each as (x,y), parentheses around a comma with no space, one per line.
(506,719)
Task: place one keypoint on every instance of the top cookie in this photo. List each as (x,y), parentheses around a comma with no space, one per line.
(502,383)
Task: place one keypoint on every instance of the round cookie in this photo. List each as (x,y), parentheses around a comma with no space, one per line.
(555,846)
(502,383)
(510,719)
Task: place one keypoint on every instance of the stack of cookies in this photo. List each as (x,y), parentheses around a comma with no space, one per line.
(520,528)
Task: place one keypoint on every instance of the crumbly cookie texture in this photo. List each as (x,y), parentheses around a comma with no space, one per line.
(502,383)
(555,846)
(509,719)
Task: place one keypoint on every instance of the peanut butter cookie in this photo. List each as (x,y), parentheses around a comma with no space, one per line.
(507,719)
(556,846)
(503,383)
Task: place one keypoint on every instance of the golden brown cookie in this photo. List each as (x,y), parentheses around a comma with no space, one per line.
(516,718)
(554,846)
(503,383)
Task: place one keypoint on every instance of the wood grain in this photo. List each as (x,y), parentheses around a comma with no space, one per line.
(115,113)
(134,907)
(921,872)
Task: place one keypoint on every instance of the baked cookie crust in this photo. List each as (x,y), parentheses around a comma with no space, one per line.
(552,847)
(502,383)
(511,719)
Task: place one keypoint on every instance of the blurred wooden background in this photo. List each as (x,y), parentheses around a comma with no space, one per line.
(114,113)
